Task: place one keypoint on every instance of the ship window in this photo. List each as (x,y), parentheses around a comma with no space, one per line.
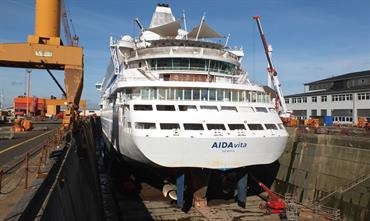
(187,94)
(261,109)
(227,95)
(164,64)
(187,108)
(169,126)
(209,108)
(242,96)
(144,125)
(272,110)
(216,127)
(193,127)
(271,127)
(170,93)
(234,95)
(220,95)
(281,126)
(255,126)
(245,109)
(143,107)
(165,108)
(204,94)
(161,93)
(152,93)
(144,93)
(196,94)
(179,94)
(236,126)
(228,108)
(212,94)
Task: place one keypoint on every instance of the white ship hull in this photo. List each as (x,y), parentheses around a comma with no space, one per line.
(215,149)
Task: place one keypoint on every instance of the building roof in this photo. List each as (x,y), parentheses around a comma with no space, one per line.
(328,92)
(335,90)
(353,75)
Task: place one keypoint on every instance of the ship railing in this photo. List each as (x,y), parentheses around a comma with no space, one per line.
(187,68)
(184,51)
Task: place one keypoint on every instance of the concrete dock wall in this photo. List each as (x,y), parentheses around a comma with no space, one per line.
(316,165)
(76,196)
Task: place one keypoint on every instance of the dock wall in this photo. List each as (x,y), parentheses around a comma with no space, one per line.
(332,170)
(76,196)
(71,189)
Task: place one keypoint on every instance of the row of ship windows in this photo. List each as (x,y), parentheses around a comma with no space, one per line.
(195,94)
(199,126)
(148,107)
(324,98)
(185,64)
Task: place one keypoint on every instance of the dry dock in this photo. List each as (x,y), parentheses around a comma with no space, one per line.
(81,184)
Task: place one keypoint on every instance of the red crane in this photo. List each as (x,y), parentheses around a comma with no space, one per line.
(273,73)
(71,40)
(274,203)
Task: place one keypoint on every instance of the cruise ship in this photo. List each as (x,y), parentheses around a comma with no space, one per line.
(173,98)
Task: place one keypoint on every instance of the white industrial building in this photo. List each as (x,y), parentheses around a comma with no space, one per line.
(345,98)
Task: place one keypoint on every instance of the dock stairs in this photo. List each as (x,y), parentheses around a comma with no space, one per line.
(346,187)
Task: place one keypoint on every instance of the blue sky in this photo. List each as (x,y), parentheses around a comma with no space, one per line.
(312,40)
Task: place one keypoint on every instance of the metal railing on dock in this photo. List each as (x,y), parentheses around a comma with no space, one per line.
(11,177)
(6,133)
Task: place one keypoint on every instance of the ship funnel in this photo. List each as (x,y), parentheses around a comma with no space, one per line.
(161,16)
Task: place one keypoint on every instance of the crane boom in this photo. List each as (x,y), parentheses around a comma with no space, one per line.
(271,70)
(71,40)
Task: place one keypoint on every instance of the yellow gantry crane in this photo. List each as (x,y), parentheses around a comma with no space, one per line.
(45,50)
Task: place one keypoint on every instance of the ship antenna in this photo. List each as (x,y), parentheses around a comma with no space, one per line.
(139,24)
(183,15)
(200,26)
(227,40)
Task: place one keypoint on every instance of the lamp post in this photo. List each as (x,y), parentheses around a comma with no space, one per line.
(28,90)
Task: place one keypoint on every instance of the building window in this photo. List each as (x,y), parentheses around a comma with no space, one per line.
(287,100)
(314,99)
(349,97)
(324,98)
(313,112)
(363,96)
(324,112)
(342,97)
(304,99)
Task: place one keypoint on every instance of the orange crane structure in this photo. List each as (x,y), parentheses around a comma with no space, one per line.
(45,50)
